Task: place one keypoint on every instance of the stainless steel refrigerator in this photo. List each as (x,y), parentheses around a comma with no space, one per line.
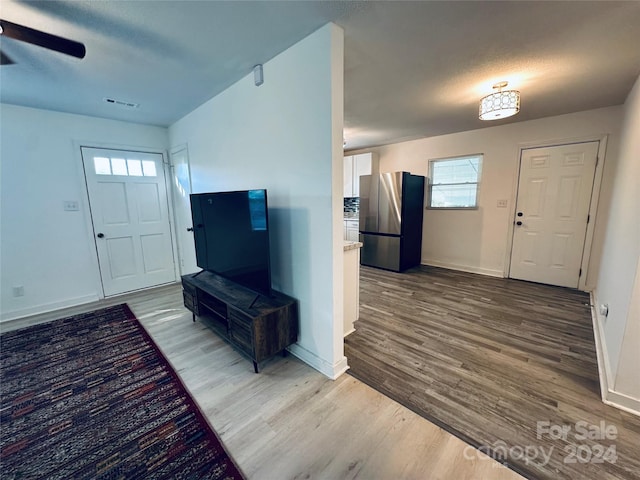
(391,206)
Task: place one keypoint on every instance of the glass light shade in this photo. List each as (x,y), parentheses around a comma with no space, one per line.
(500,105)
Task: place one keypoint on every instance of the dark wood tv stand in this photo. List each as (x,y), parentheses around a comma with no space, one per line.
(259,326)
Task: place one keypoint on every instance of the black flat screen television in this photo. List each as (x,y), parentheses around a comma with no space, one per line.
(231,232)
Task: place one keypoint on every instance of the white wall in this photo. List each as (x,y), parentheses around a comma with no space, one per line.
(619,279)
(478,240)
(286,136)
(49,251)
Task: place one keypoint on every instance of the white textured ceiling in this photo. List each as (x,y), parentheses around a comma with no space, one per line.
(412,69)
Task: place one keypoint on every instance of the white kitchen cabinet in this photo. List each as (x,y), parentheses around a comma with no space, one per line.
(351,230)
(354,167)
(362,165)
(347,178)
(351,304)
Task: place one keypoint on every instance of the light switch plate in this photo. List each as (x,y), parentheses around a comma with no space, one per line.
(502,203)
(71,206)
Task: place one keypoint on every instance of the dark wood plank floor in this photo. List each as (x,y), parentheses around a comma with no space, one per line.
(487,359)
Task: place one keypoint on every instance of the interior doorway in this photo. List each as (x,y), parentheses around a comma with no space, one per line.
(555,187)
(130,217)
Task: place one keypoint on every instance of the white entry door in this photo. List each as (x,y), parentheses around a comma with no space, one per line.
(554,194)
(128,199)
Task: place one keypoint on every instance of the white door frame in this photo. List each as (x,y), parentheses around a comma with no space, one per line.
(584,282)
(90,236)
(179,247)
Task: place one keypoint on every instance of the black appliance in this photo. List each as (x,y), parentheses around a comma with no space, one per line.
(391,207)
(231,232)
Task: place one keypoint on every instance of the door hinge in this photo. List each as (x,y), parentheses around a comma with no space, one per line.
(580,273)
(588,218)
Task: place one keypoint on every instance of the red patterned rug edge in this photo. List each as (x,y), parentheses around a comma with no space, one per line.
(162,358)
(178,379)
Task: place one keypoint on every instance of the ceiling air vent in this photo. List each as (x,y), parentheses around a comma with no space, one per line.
(121,103)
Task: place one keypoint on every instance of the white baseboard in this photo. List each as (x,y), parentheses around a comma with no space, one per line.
(463,268)
(46,308)
(330,370)
(349,332)
(623,402)
(608,394)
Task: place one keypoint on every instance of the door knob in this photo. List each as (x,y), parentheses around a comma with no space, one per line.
(518,223)
(190,229)
(100,235)
(520,214)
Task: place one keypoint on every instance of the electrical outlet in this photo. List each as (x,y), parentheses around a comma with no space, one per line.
(18,291)
(604,310)
(71,206)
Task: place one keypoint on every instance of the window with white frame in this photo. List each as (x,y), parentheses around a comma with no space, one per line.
(453,182)
(120,166)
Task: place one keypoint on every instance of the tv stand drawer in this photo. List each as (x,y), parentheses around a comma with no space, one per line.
(240,319)
(190,301)
(242,340)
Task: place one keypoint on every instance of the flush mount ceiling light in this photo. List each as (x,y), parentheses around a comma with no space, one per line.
(501,104)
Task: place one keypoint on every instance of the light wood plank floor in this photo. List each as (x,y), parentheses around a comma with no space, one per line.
(488,358)
(289,421)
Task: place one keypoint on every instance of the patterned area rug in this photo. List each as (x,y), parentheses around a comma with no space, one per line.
(92,397)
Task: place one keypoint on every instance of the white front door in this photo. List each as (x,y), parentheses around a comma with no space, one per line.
(554,194)
(128,200)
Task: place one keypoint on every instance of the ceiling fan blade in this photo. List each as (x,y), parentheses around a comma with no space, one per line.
(42,39)
(4,59)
